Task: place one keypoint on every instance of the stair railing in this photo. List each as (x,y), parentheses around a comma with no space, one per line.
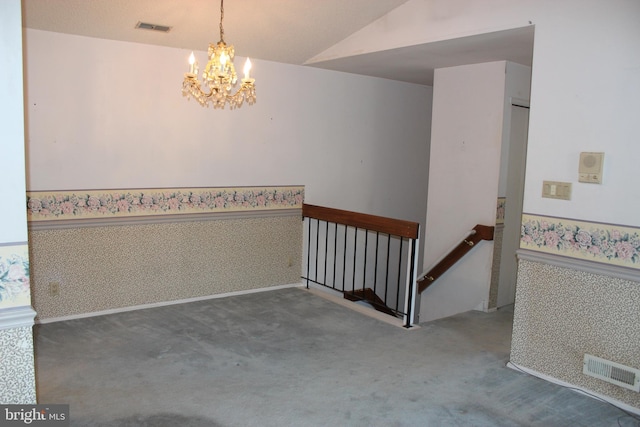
(365,257)
(478,233)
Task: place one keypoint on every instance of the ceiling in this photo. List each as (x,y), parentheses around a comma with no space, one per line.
(287,31)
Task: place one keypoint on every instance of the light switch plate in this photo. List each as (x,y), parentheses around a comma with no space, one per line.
(556,190)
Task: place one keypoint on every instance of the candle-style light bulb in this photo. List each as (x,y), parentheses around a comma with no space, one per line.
(247,69)
(192,61)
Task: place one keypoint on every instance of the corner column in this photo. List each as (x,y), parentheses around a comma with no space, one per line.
(17,371)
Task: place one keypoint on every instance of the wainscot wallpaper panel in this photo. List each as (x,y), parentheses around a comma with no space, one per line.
(110,267)
(112,249)
(562,313)
(17,371)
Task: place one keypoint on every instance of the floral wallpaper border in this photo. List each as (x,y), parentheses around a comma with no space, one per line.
(14,276)
(605,243)
(502,201)
(65,205)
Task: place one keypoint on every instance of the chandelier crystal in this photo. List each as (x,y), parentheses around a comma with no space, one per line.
(219,77)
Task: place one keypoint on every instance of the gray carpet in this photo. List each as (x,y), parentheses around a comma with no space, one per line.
(290,358)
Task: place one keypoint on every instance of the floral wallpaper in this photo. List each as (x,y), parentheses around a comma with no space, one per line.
(606,243)
(17,370)
(14,276)
(63,205)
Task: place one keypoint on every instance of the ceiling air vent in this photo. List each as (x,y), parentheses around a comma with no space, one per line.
(154,27)
(612,372)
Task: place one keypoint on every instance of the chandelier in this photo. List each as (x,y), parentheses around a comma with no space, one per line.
(219,77)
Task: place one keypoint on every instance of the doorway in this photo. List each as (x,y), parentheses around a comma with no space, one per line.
(519,127)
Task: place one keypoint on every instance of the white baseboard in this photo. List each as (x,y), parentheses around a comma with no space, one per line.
(624,406)
(163,303)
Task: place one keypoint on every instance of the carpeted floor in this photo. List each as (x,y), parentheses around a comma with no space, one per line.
(290,358)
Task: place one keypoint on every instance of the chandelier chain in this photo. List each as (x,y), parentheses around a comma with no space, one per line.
(221,18)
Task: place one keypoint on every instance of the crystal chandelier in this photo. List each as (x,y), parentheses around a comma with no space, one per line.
(219,77)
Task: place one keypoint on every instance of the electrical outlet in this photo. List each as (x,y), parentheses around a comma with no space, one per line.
(54,289)
(290,261)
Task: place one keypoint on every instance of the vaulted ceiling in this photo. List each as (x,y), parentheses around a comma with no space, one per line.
(287,31)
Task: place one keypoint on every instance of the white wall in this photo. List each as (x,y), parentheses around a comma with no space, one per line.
(13,220)
(466,141)
(108,114)
(584,87)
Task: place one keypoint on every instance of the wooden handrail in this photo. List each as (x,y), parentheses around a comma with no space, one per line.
(395,227)
(480,232)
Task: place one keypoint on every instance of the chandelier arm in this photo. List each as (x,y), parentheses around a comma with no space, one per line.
(197,88)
